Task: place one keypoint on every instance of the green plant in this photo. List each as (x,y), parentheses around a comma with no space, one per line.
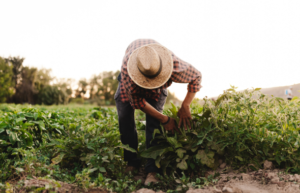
(81,144)
(6,85)
(241,127)
(95,145)
(184,149)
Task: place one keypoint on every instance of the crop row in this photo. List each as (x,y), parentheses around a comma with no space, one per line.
(78,145)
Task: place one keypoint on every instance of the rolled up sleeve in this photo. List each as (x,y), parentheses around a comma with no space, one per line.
(195,85)
(184,72)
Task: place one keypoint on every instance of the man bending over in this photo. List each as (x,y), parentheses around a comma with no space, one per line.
(148,69)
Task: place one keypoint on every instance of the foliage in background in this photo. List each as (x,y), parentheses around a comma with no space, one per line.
(103,88)
(6,84)
(59,92)
(16,63)
(30,85)
(34,86)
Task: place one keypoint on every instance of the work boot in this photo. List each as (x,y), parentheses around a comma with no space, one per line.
(151,178)
(131,169)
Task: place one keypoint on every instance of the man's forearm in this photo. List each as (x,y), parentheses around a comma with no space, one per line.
(188,99)
(149,110)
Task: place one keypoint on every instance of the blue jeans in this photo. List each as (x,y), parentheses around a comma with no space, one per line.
(129,133)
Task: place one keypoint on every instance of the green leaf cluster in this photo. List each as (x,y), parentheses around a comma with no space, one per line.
(241,128)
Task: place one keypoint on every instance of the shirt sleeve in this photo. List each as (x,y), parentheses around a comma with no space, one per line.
(184,72)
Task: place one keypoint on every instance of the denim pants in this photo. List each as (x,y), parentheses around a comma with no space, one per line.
(129,133)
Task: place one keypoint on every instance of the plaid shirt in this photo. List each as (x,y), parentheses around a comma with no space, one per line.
(183,72)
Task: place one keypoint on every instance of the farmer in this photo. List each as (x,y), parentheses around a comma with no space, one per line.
(148,69)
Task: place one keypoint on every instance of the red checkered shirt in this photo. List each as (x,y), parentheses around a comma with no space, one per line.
(183,72)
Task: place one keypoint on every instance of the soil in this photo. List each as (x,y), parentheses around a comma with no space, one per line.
(267,180)
(62,188)
(261,181)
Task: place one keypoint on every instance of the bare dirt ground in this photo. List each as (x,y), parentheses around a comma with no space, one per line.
(267,180)
(262,181)
(44,185)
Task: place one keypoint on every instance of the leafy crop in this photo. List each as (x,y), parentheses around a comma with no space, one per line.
(82,145)
(65,143)
(94,143)
(241,127)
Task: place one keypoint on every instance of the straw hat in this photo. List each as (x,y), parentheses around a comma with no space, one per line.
(150,66)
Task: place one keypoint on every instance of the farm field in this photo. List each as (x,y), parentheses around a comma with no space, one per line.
(237,143)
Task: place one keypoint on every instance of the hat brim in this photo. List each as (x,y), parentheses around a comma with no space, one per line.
(158,81)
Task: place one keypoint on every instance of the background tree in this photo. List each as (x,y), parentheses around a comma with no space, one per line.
(42,84)
(82,88)
(17,64)
(65,90)
(110,85)
(103,88)
(6,85)
(36,86)
(32,85)
(94,84)
(43,78)
(50,95)
(57,93)
(26,90)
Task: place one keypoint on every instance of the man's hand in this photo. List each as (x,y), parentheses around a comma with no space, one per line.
(171,125)
(184,114)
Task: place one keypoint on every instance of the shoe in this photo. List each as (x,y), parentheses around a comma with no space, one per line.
(131,169)
(151,178)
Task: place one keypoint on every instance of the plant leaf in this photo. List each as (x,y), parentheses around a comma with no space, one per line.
(2,127)
(239,158)
(127,148)
(102,169)
(41,124)
(155,131)
(157,162)
(183,165)
(58,158)
(154,151)
(194,149)
(206,158)
(20,119)
(200,142)
(13,138)
(174,111)
(2,130)
(174,142)
(20,169)
(92,170)
(180,152)
(213,145)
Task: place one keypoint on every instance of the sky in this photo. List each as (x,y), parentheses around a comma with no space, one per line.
(242,43)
